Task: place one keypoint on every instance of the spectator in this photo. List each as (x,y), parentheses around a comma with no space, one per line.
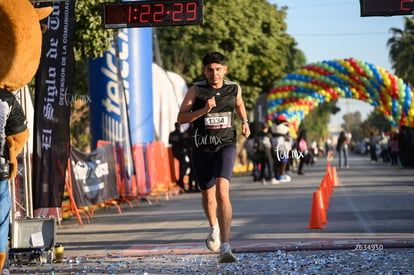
(13,135)
(342,149)
(179,150)
(373,147)
(329,149)
(282,148)
(303,148)
(393,144)
(385,152)
(263,154)
(255,128)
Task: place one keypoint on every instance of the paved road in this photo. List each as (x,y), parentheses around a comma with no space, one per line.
(373,203)
(370,211)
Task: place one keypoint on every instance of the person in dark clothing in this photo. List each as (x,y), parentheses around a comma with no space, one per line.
(303,148)
(179,150)
(263,154)
(13,135)
(192,184)
(394,149)
(373,147)
(342,149)
(210,106)
(20,51)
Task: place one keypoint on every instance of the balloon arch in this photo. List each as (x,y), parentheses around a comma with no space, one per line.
(298,93)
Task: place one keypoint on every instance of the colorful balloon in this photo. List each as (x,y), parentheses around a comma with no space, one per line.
(298,93)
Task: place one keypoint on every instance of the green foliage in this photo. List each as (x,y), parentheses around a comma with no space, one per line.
(402,50)
(79,121)
(252,35)
(352,123)
(91,40)
(376,122)
(315,123)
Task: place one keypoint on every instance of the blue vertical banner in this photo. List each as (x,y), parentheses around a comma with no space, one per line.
(140,105)
(135,61)
(106,99)
(120,87)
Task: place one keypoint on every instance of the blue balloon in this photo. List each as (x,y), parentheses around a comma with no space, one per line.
(371,93)
(394,107)
(377,74)
(348,93)
(407,101)
(338,67)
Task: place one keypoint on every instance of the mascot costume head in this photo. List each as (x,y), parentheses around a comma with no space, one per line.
(20,51)
(280,126)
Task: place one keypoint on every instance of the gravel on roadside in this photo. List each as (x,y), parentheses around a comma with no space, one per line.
(394,261)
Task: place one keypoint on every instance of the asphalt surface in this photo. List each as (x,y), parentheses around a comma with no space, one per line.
(369,229)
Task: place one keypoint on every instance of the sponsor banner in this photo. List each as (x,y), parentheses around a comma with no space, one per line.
(110,120)
(121,101)
(93,175)
(54,82)
(105,104)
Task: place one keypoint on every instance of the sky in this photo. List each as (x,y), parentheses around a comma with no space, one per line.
(334,29)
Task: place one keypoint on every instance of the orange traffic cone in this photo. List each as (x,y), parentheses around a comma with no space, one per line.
(323,189)
(315,220)
(328,165)
(334,177)
(329,175)
(326,185)
(323,204)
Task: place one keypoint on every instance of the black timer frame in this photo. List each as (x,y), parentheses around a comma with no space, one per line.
(132,14)
(386,7)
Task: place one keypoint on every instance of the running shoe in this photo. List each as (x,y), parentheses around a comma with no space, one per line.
(285,178)
(213,239)
(226,255)
(275,181)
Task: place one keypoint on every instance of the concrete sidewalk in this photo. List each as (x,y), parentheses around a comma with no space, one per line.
(370,230)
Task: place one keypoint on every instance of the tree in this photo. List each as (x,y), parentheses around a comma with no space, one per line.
(402,50)
(315,123)
(91,40)
(352,124)
(376,122)
(252,34)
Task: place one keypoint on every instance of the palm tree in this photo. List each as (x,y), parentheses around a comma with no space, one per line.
(402,50)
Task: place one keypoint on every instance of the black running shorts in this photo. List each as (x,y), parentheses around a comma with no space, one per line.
(211,165)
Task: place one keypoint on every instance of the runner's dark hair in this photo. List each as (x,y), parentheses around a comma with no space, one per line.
(214,57)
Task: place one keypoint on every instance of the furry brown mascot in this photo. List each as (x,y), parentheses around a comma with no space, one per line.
(20,50)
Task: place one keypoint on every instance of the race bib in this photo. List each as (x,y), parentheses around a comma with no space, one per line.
(217,120)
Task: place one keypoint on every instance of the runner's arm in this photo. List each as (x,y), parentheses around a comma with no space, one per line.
(241,111)
(185,113)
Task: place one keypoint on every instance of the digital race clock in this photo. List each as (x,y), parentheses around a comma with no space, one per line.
(386,7)
(152,13)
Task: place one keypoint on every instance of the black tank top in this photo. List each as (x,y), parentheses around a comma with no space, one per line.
(214,130)
(12,118)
